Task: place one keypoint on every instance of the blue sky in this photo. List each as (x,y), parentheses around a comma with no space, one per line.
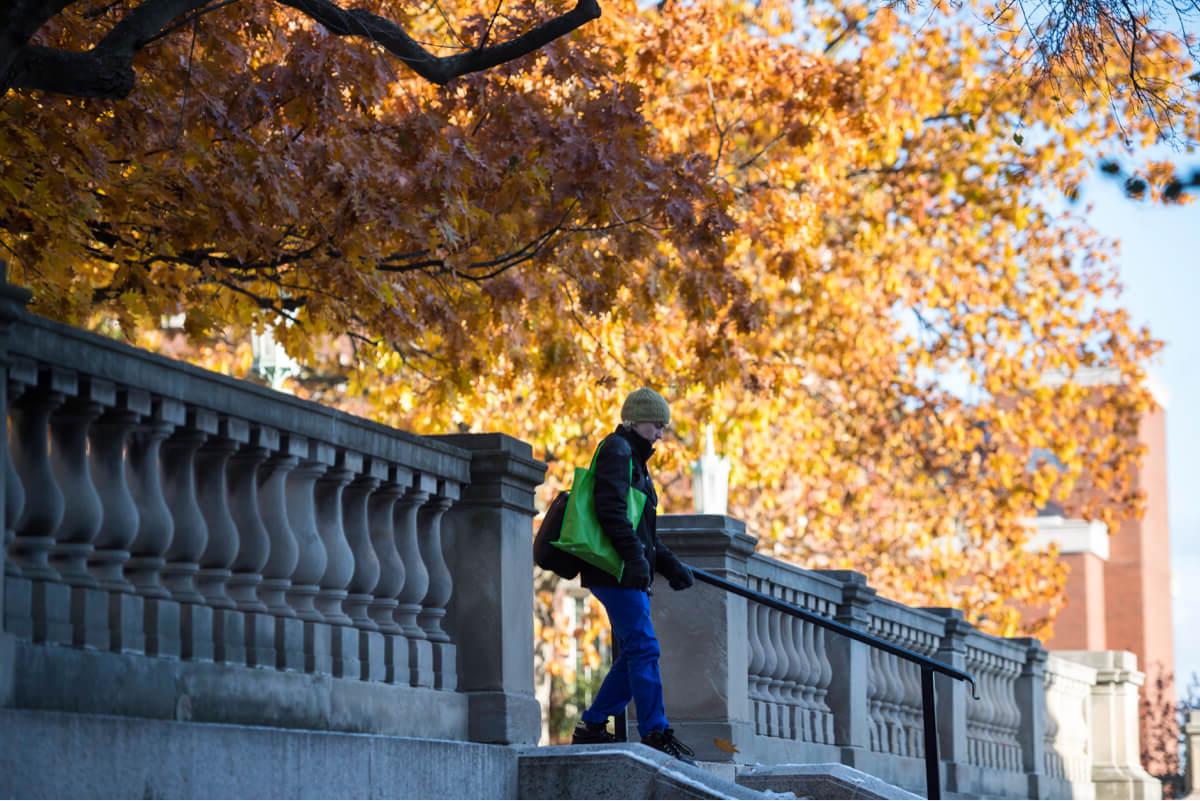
(1160,267)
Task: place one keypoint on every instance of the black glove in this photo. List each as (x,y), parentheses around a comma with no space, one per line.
(637,574)
(682,578)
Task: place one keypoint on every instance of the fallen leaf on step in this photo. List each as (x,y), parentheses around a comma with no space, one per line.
(725,745)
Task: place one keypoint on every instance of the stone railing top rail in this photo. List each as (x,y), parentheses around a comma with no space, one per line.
(823,586)
(1069,669)
(61,346)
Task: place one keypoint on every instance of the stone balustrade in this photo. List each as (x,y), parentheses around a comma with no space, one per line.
(750,684)
(182,544)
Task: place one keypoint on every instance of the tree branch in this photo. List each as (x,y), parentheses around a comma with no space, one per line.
(107,69)
(441,69)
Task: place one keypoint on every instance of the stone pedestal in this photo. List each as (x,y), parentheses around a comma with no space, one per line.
(487,537)
(702,630)
(851,660)
(1191,776)
(1116,754)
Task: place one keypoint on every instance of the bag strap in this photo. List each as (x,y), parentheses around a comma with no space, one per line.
(596,455)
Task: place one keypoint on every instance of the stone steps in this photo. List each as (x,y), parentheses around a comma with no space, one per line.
(54,754)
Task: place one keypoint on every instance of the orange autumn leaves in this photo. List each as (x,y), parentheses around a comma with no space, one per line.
(850,262)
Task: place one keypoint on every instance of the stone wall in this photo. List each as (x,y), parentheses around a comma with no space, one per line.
(183,545)
(750,684)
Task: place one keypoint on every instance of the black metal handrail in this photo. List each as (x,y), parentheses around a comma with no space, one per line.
(933,785)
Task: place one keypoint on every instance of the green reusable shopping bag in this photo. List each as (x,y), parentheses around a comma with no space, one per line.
(582,535)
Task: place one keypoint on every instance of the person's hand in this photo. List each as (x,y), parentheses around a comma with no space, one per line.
(637,574)
(682,578)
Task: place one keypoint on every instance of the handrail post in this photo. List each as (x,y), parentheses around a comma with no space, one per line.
(705,654)
(952,694)
(851,662)
(933,784)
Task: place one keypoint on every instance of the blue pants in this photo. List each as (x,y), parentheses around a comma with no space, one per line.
(634,675)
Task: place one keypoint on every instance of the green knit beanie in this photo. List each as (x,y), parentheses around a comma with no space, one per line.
(645,406)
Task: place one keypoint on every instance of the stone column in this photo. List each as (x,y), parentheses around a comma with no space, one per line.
(1030,696)
(705,640)
(487,542)
(851,668)
(1191,776)
(952,695)
(1116,753)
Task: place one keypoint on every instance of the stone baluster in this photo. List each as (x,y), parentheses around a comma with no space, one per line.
(354,660)
(44,507)
(214,493)
(331,496)
(38,607)
(770,660)
(778,675)
(109,439)
(758,660)
(357,525)
(416,580)
(156,527)
(875,690)
(817,637)
(891,705)
(1012,728)
(311,559)
(191,532)
(382,514)
(1053,765)
(22,374)
(284,552)
(179,490)
(276,495)
(82,516)
(797,681)
(441,585)
(254,548)
(12,306)
(339,565)
(910,675)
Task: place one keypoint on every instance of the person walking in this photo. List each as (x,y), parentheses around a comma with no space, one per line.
(635,674)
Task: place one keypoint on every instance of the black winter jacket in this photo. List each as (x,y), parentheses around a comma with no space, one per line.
(617,451)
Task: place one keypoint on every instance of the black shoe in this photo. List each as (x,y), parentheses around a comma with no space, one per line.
(591,734)
(665,741)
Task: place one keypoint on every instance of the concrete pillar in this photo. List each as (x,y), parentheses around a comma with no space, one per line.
(1030,695)
(12,304)
(952,695)
(1116,755)
(704,637)
(487,542)
(851,666)
(1191,776)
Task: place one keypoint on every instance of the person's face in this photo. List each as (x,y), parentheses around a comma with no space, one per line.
(651,432)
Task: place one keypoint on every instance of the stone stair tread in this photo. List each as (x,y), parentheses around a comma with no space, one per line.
(621,770)
(821,780)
